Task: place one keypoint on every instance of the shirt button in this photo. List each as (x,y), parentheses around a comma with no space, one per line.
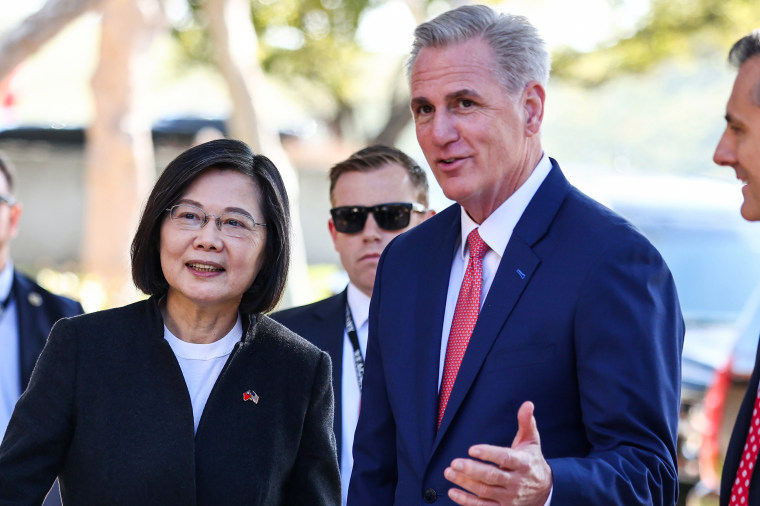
(430,496)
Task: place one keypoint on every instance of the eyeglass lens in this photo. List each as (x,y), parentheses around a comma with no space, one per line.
(351,219)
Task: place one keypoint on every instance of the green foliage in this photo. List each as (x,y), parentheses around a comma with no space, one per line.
(192,36)
(328,52)
(673,30)
(325,53)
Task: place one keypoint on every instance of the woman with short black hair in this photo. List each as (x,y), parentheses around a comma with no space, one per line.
(191,396)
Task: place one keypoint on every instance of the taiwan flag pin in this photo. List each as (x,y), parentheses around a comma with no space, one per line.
(252,396)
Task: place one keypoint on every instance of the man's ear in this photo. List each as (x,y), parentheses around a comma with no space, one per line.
(15,217)
(534,96)
(333,232)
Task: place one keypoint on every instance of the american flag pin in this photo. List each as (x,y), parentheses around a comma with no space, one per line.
(35,299)
(252,396)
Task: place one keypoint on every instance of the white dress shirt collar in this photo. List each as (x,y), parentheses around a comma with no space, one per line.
(497,229)
(359,304)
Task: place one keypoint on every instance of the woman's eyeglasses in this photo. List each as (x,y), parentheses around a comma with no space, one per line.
(391,216)
(189,217)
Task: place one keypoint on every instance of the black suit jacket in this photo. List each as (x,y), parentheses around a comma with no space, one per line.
(37,311)
(323,323)
(736,444)
(107,409)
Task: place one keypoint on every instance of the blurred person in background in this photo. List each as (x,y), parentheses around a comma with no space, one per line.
(377,193)
(525,343)
(739,148)
(27,311)
(191,396)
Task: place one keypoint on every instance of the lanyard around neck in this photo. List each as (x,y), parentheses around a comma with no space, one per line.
(354,338)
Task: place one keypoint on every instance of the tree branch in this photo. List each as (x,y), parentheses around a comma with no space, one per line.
(33,32)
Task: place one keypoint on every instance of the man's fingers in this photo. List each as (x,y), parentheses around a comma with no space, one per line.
(481,480)
(499,475)
(505,458)
(466,499)
(527,430)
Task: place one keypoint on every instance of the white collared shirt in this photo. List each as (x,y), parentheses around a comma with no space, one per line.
(496,231)
(10,366)
(350,393)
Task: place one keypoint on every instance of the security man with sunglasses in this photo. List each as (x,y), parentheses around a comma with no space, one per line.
(376,194)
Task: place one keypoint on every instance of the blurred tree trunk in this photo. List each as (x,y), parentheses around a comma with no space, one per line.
(235,53)
(400,114)
(120,168)
(22,41)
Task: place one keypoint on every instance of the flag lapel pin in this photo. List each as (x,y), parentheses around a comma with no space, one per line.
(250,395)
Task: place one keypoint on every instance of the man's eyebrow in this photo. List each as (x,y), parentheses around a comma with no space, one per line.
(453,95)
(463,93)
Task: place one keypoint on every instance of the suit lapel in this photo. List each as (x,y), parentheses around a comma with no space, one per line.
(333,320)
(31,338)
(332,323)
(428,321)
(739,436)
(515,272)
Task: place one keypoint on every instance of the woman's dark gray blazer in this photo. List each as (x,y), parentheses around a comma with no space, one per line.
(107,410)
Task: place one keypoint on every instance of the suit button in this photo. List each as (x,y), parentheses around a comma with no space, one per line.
(430,496)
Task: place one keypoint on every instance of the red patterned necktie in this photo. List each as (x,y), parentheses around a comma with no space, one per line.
(740,489)
(465,316)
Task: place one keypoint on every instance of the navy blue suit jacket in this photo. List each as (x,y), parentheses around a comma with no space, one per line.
(582,318)
(37,311)
(738,439)
(323,324)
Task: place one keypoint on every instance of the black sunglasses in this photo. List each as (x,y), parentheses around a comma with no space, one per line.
(391,216)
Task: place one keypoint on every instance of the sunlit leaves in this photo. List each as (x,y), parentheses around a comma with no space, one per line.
(674,29)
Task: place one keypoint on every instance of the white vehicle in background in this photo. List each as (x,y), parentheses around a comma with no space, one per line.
(714,255)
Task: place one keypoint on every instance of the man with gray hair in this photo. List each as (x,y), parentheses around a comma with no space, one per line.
(739,148)
(524,308)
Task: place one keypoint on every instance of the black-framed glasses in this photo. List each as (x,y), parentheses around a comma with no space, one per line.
(390,216)
(8,199)
(190,217)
